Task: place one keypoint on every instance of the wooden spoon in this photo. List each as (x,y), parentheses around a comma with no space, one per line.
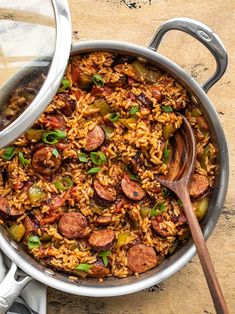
(178,180)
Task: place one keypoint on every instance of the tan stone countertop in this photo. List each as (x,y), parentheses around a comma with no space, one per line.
(136,21)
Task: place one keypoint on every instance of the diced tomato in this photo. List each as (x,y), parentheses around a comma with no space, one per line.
(97,91)
(75,74)
(78,94)
(50,219)
(54,122)
(131,96)
(108,90)
(156,93)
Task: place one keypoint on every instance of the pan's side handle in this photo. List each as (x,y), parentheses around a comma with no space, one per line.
(202,33)
(10,288)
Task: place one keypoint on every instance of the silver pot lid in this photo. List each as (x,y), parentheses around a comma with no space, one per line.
(35,43)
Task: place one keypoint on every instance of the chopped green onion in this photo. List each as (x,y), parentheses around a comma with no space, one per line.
(97,79)
(55,152)
(133,177)
(98,158)
(23,161)
(104,255)
(64,84)
(63,185)
(34,242)
(93,170)
(167,108)
(82,157)
(53,137)
(134,110)
(9,153)
(83,267)
(166,154)
(158,209)
(114,117)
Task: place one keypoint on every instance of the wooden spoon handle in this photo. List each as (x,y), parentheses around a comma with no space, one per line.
(204,256)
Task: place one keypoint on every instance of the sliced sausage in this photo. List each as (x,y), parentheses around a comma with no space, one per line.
(44,162)
(141,258)
(199,186)
(101,240)
(98,270)
(30,224)
(8,210)
(105,194)
(132,189)
(53,122)
(104,220)
(95,138)
(158,230)
(72,225)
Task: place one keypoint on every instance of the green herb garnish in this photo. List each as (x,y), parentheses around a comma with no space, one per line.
(9,153)
(158,209)
(93,170)
(64,184)
(167,109)
(83,267)
(55,152)
(104,255)
(134,110)
(114,117)
(53,137)
(64,85)
(98,158)
(98,81)
(133,177)
(23,161)
(34,242)
(82,157)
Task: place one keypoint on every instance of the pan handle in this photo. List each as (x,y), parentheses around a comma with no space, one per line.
(202,33)
(10,288)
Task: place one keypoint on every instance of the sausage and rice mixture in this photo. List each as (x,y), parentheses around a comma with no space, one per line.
(78,190)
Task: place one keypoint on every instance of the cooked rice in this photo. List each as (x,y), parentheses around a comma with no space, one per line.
(144,137)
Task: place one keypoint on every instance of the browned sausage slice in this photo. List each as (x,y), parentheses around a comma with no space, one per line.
(132,189)
(101,240)
(199,185)
(104,220)
(8,210)
(95,138)
(30,224)
(141,258)
(99,271)
(73,225)
(44,162)
(159,231)
(107,194)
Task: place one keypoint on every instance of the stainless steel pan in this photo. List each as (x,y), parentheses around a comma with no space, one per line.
(10,287)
